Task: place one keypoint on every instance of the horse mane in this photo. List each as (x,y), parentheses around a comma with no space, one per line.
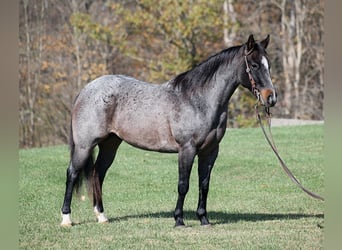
(201,74)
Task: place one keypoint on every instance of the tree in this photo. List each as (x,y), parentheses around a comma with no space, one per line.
(296,51)
(168,37)
(63,45)
(301,37)
(31,54)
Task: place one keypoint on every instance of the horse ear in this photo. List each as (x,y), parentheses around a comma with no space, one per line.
(264,43)
(250,43)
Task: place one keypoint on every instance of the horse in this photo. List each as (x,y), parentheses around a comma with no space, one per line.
(185,115)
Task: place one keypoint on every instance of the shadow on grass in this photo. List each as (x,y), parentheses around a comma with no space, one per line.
(224,218)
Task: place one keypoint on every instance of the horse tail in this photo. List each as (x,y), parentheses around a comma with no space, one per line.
(71,141)
(85,173)
(89,176)
(86,176)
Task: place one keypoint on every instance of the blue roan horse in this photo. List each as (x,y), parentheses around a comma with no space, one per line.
(186,115)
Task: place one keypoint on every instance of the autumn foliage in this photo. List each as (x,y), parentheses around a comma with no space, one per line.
(65,44)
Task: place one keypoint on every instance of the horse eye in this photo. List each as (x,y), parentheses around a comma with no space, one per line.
(255,65)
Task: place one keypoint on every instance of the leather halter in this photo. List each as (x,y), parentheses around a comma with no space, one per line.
(255,90)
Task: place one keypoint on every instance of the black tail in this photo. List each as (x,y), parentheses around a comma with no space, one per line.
(85,172)
(86,177)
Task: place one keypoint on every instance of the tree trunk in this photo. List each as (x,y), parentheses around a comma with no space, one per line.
(292,49)
(30,95)
(229,22)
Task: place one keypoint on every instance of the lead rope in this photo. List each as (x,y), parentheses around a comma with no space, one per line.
(274,148)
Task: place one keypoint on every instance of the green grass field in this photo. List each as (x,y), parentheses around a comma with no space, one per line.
(252,204)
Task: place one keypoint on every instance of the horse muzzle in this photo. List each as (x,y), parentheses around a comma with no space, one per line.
(268,97)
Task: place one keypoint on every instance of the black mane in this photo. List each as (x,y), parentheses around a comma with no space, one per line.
(203,72)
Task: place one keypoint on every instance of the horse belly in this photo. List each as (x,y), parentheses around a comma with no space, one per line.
(146,133)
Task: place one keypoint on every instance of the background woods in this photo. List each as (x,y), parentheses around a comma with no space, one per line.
(65,44)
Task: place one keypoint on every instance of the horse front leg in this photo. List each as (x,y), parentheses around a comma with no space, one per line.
(186,157)
(205,165)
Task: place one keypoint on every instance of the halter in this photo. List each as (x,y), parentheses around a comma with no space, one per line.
(255,90)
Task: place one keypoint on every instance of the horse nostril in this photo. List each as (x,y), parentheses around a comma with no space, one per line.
(272,100)
(268,97)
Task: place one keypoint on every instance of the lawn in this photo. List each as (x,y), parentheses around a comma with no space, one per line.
(252,204)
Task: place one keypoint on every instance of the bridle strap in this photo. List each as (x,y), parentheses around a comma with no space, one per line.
(255,90)
(274,148)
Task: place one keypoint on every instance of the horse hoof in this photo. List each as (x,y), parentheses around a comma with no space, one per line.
(66,224)
(204,221)
(179,223)
(66,221)
(102,220)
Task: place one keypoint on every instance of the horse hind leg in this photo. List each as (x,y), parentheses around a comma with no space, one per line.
(106,155)
(80,160)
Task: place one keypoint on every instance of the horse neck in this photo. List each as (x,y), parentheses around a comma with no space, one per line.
(223,84)
(212,82)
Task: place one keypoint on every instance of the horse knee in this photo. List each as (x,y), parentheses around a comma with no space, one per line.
(183,188)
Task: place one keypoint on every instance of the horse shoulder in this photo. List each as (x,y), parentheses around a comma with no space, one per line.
(215,134)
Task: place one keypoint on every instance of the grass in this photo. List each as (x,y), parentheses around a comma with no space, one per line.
(252,204)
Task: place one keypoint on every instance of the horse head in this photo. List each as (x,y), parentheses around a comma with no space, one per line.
(257,65)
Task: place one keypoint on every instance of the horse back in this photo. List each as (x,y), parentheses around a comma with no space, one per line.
(137,112)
